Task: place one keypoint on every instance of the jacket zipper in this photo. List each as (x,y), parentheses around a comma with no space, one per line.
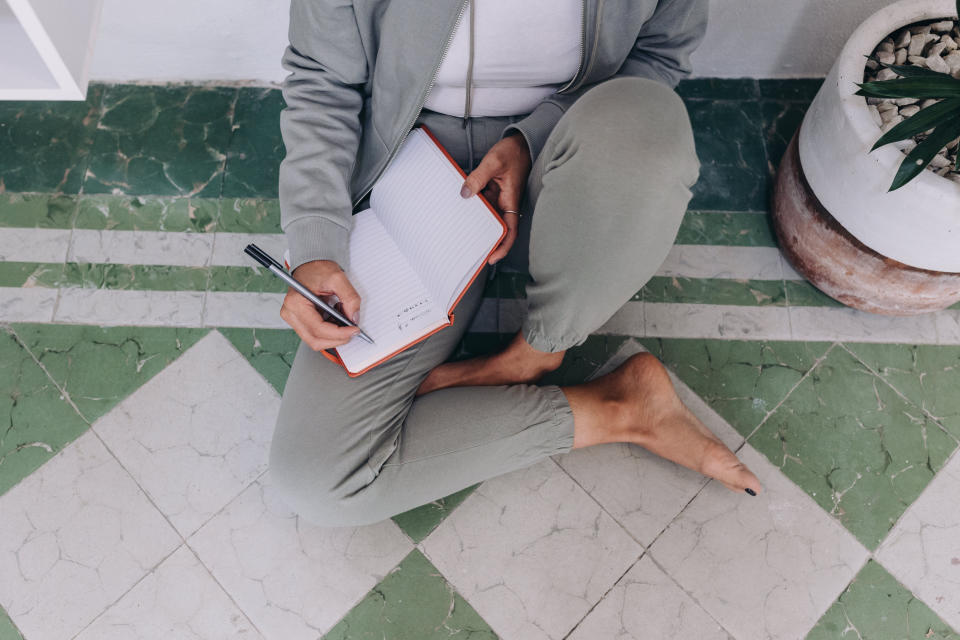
(583,49)
(433,79)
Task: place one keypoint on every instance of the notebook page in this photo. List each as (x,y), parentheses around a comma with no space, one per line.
(395,306)
(442,235)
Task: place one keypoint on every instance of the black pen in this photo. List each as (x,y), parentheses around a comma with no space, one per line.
(263,258)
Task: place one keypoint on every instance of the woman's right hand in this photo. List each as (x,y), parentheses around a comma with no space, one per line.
(324,278)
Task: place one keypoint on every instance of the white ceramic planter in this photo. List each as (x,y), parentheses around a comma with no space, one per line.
(919,224)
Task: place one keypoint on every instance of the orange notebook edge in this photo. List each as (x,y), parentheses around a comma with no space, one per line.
(450,315)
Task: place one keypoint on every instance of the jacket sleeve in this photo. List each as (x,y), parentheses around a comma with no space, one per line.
(321,128)
(661,52)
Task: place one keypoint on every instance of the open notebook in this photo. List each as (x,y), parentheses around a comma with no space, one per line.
(415,251)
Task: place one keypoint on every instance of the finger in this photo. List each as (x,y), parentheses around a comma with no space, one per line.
(349,298)
(504,247)
(306,320)
(510,193)
(478,178)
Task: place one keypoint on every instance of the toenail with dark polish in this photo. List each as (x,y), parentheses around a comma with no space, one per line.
(751,491)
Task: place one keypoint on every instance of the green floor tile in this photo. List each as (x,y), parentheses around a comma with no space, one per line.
(798,89)
(8,631)
(256,148)
(414,602)
(744,293)
(928,375)
(877,607)
(161,140)
(254,279)
(780,121)
(45,145)
(37,421)
(853,444)
(270,351)
(40,211)
(743,381)
(719,88)
(418,523)
(30,274)
(733,161)
(135,277)
(804,294)
(100,366)
(249,215)
(726,228)
(146,213)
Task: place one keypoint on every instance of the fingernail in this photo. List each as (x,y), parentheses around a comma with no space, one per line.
(750,491)
(355,317)
(465,191)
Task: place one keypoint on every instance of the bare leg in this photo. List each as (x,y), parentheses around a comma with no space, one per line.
(519,362)
(637,403)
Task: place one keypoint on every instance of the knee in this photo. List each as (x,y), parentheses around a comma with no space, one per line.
(637,127)
(317,487)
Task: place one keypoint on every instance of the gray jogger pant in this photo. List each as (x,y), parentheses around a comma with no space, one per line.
(604,201)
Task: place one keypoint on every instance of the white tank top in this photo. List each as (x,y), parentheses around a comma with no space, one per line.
(523,52)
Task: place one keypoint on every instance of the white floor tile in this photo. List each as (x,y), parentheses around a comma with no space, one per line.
(831,323)
(141,247)
(763,567)
(948,326)
(531,552)
(179,600)
(293,580)
(717,261)
(243,309)
(34,245)
(111,307)
(196,434)
(923,549)
(228,248)
(27,304)
(646,604)
(75,535)
(729,322)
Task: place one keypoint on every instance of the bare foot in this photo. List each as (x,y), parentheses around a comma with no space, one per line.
(637,403)
(519,362)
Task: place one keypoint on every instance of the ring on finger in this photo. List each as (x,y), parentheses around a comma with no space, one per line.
(519,215)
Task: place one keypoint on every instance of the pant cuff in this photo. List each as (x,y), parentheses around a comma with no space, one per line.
(562,418)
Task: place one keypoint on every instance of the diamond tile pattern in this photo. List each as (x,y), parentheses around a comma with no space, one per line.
(126,304)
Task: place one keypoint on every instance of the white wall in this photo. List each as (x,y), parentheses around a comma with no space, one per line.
(194,40)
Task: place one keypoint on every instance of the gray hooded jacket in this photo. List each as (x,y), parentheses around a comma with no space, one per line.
(360,71)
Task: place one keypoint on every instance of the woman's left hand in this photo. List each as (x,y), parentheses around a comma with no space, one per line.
(501,177)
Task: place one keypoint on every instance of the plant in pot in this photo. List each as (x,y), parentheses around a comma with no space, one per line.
(865,224)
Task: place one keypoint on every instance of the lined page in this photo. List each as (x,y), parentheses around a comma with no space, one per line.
(442,235)
(395,306)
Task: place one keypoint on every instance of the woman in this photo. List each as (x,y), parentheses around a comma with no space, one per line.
(561,112)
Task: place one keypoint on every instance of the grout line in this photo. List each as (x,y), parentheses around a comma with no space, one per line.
(904,396)
(613,585)
(816,363)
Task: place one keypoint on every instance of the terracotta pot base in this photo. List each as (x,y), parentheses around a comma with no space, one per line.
(838,264)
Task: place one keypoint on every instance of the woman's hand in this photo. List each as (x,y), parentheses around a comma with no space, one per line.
(324,278)
(501,177)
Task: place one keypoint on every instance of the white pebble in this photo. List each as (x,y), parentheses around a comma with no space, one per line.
(875,115)
(917,42)
(903,102)
(891,123)
(950,43)
(901,56)
(872,65)
(939,161)
(887,105)
(953,60)
(886,57)
(936,63)
(937,49)
(929,101)
(920,29)
(886,74)
(903,39)
(886,45)
(942,27)
(912,110)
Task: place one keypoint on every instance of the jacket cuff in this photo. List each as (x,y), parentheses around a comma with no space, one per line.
(316,238)
(536,127)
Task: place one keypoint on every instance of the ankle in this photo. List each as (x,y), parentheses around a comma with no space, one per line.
(527,362)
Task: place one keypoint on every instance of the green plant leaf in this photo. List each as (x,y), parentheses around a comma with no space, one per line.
(919,122)
(908,71)
(916,87)
(918,159)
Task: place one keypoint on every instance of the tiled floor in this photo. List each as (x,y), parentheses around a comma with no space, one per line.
(142,361)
